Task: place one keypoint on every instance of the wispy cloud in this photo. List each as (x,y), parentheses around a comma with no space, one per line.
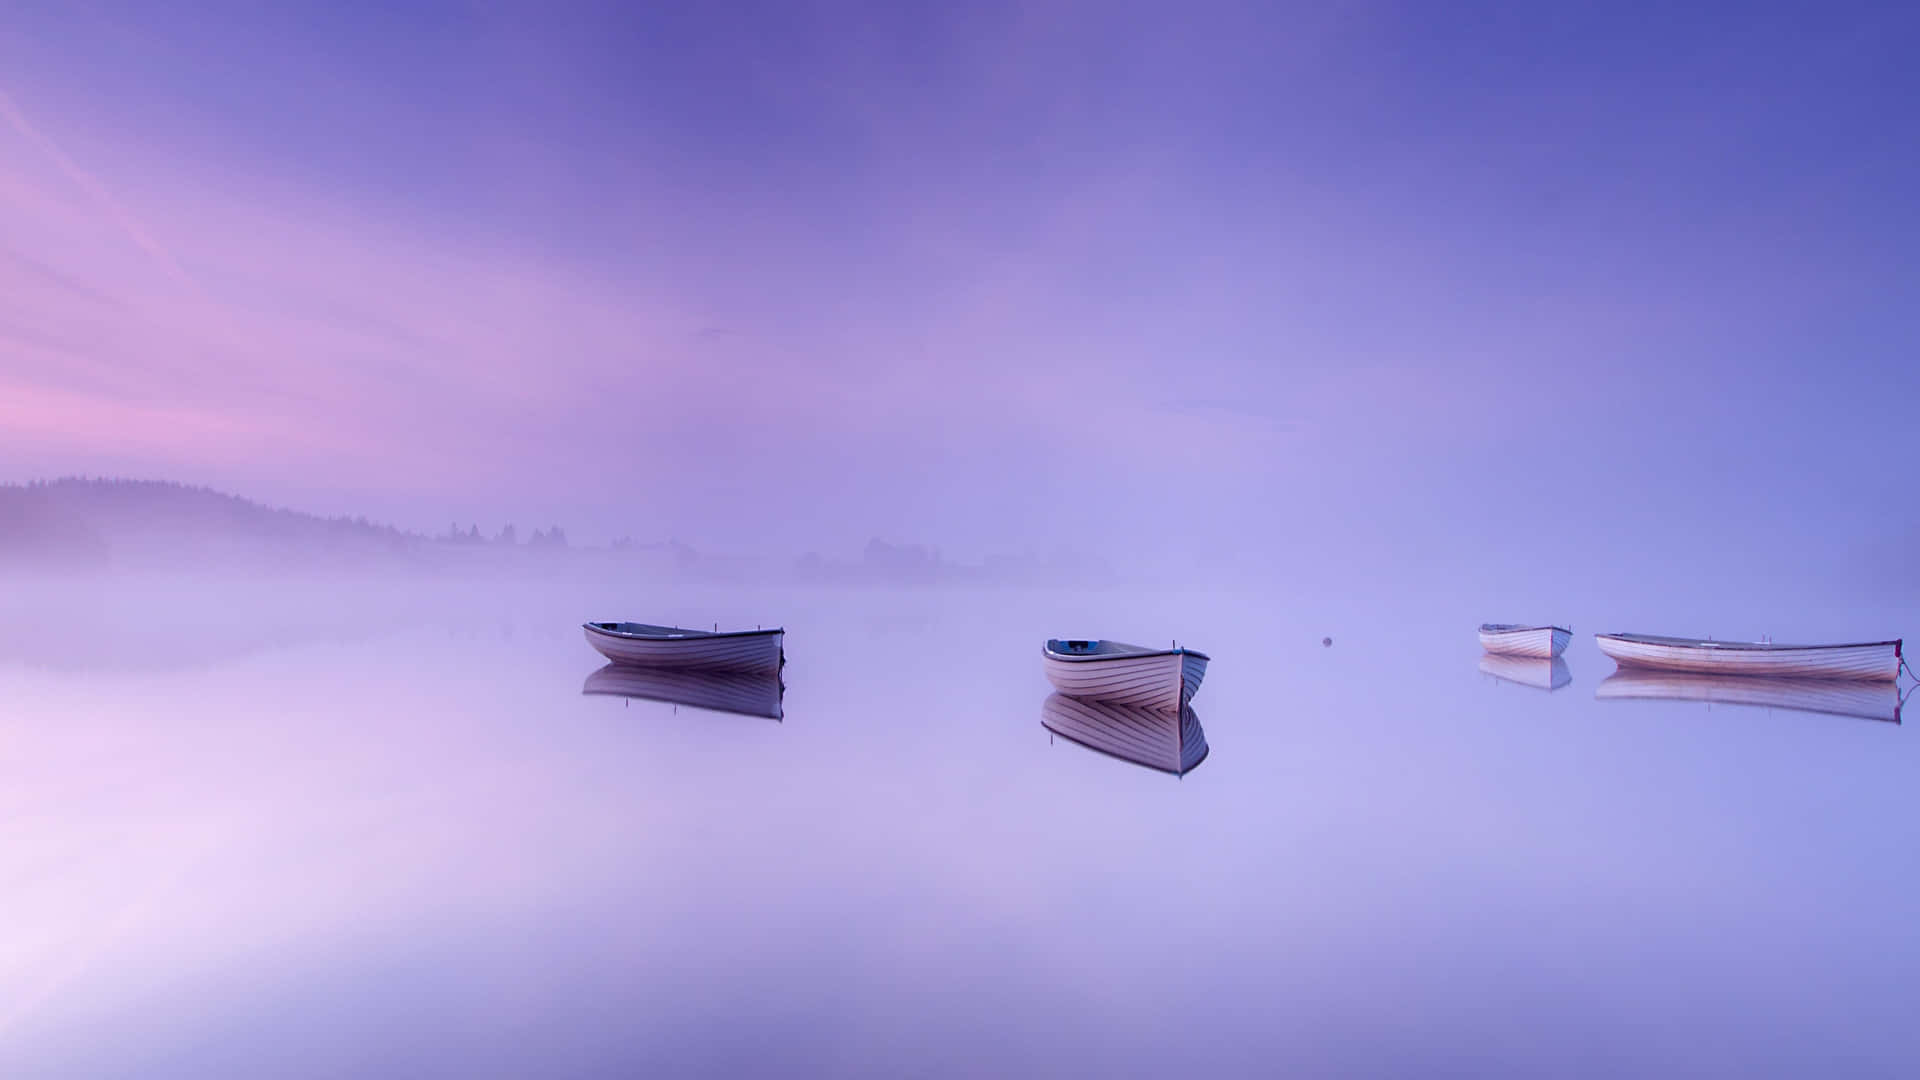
(881,278)
(134,229)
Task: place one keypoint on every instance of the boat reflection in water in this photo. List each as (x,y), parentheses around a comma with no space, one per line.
(1833,697)
(1548,675)
(746,693)
(1171,742)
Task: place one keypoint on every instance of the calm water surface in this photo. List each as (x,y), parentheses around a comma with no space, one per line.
(323,831)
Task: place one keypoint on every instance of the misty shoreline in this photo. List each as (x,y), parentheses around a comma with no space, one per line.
(87,527)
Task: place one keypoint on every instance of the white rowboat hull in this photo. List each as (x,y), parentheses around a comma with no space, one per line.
(1165,680)
(1540,642)
(1878,660)
(750,650)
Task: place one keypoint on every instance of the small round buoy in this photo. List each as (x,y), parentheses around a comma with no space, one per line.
(1327,641)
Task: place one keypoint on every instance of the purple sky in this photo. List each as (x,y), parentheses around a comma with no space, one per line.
(1188,279)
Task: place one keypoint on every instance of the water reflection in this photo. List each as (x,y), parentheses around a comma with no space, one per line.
(746,693)
(1166,741)
(117,646)
(1833,697)
(1543,674)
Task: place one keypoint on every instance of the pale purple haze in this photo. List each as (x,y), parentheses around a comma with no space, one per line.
(1177,283)
(1309,335)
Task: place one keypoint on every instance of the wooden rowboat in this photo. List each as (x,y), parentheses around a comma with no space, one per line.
(1876,660)
(645,645)
(746,693)
(1171,742)
(1122,674)
(1537,672)
(1867,700)
(1511,639)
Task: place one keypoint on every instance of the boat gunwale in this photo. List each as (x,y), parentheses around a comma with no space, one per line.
(1738,646)
(1047,651)
(1508,628)
(674,633)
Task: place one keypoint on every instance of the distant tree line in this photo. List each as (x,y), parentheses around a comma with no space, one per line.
(81,521)
(555,537)
(90,521)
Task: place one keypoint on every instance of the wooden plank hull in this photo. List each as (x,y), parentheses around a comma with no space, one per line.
(1877,661)
(1171,742)
(1539,642)
(1538,672)
(1862,698)
(750,650)
(1162,680)
(746,693)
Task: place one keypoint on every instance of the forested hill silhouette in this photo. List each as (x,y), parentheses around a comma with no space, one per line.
(92,524)
(82,523)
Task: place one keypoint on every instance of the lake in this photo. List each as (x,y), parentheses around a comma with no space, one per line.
(326,830)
